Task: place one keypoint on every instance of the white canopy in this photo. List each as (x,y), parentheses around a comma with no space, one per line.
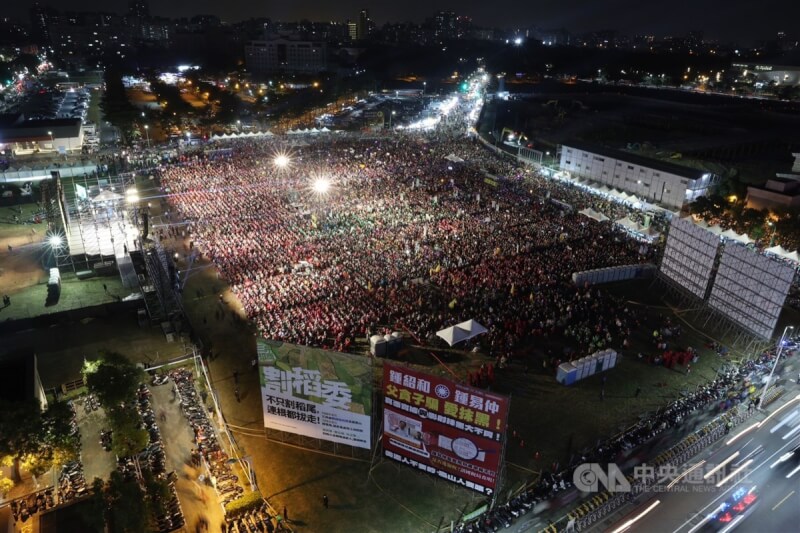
(454,158)
(107,196)
(730,234)
(461,332)
(591,213)
(780,251)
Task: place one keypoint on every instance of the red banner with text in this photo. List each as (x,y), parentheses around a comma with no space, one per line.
(444,428)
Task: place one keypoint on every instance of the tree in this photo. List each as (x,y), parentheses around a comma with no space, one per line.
(128,437)
(113,378)
(95,510)
(36,440)
(129,509)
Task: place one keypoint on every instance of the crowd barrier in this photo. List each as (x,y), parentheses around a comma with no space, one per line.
(612,274)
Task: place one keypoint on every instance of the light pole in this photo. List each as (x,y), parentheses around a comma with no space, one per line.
(424,87)
(52,141)
(393,113)
(771,224)
(239,126)
(147,134)
(775,364)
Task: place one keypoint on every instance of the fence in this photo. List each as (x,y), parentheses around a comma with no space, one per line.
(602,505)
(612,274)
(26,173)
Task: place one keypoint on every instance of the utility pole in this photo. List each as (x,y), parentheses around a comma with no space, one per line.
(775,364)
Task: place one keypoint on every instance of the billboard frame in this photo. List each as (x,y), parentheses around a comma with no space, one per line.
(428,432)
(269,352)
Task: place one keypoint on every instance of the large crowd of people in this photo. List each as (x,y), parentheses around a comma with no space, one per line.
(405,238)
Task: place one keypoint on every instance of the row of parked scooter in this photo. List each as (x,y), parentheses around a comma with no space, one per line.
(71,483)
(172,516)
(24,508)
(153,459)
(91,403)
(253,521)
(154,454)
(226,483)
(502,515)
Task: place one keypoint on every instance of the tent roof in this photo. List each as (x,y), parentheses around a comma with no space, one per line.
(591,213)
(461,332)
(107,196)
(780,251)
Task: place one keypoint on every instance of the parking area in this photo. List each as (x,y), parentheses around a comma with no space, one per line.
(197,498)
(97,462)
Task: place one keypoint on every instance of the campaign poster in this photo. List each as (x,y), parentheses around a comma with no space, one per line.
(316,393)
(450,430)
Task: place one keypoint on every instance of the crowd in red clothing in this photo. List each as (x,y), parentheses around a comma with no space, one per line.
(404,238)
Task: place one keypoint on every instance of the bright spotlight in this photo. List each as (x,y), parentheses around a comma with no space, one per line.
(132,195)
(281,161)
(55,241)
(518,41)
(321,186)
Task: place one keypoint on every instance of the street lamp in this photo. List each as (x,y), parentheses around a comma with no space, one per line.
(52,142)
(775,364)
(424,87)
(239,125)
(771,224)
(393,113)
(147,134)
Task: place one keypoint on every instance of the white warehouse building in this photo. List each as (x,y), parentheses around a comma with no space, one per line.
(656,181)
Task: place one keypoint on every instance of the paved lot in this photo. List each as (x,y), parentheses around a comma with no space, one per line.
(96,461)
(197,499)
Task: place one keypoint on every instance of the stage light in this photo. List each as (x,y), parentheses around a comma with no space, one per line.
(55,241)
(132,195)
(321,186)
(281,161)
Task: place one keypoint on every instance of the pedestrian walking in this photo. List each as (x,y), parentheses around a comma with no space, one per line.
(105,288)
(236,376)
(325,501)
(638,392)
(285,513)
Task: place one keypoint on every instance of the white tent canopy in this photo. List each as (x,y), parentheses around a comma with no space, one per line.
(454,158)
(461,332)
(107,196)
(591,213)
(730,234)
(780,251)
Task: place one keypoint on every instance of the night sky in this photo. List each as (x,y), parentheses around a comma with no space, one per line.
(727,20)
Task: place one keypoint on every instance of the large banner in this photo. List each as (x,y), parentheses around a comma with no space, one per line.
(316,393)
(441,427)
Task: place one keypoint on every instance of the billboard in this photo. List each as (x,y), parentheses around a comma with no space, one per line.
(689,256)
(315,392)
(444,428)
(750,289)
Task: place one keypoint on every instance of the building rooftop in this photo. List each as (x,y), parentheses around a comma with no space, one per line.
(657,164)
(37,130)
